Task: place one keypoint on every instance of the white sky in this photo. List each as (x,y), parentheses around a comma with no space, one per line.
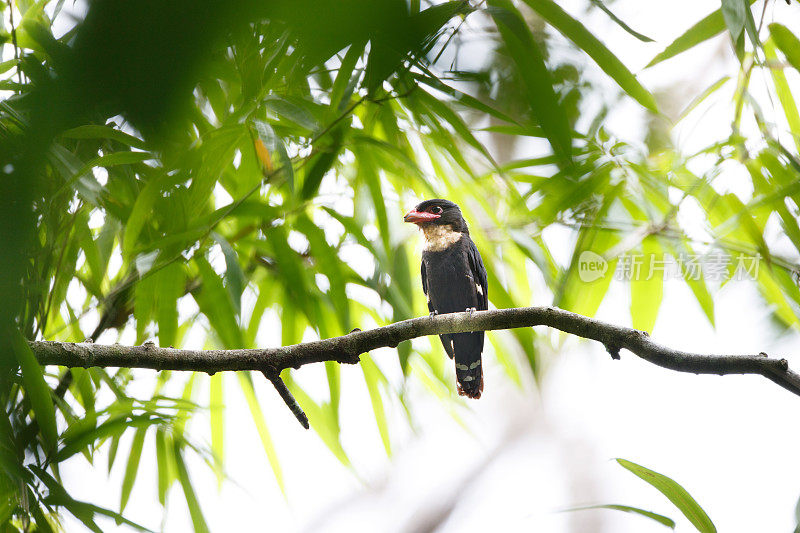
(731,441)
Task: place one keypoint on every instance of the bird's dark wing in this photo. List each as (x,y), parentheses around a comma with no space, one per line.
(424,276)
(447,340)
(479,275)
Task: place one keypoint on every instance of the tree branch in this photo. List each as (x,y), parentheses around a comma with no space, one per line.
(347,348)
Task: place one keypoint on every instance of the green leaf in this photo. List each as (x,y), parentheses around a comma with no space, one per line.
(95,131)
(579,292)
(246,382)
(326,154)
(788,43)
(170,286)
(462,98)
(339,96)
(372,377)
(445,113)
(329,264)
(234,276)
(75,442)
(215,302)
(675,493)
(602,6)
(97,267)
(773,293)
(117,517)
(141,214)
(708,27)
(332,372)
(198,520)
(293,111)
(132,467)
(36,388)
(785,96)
(5,66)
(144,300)
(696,282)
(322,420)
(290,269)
(711,89)
(165,474)
(536,78)
(576,32)
(734,14)
(661,519)
(216,407)
(82,381)
(647,285)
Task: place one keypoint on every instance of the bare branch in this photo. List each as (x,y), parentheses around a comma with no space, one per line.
(347,348)
(287,397)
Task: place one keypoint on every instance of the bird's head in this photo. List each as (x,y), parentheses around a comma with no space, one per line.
(437,212)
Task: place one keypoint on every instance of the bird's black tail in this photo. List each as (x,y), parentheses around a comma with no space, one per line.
(469,370)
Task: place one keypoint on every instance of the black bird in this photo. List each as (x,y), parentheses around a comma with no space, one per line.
(454,279)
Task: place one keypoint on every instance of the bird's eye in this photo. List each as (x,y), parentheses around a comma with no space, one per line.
(436,210)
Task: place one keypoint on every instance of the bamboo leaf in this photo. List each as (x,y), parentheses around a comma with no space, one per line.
(705,29)
(576,32)
(372,377)
(343,77)
(675,493)
(132,467)
(661,519)
(36,388)
(535,77)
(327,152)
(198,520)
(140,215)
(711,89)
(234,276)
(602,6)
(647,286)
(115,426)
(733,12)
(788,43)
(216,406)
(463,98)
(170,286)
(215,302)
(96,131)
(165,475)
(321,419)
(785,96)
(292,111)
(246,383)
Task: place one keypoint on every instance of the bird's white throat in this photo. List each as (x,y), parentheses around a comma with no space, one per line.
(437,238)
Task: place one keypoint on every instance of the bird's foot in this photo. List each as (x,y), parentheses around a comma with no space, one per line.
(471,310)
(433,314)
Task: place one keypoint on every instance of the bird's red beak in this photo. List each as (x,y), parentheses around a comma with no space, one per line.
(418,217)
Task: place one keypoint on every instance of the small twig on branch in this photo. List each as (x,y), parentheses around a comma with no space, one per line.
(287,397)
(347,348)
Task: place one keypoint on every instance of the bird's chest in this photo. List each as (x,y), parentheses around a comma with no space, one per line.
(450,282)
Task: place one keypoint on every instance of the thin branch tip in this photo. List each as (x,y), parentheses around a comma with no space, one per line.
(287,396)
(613,351)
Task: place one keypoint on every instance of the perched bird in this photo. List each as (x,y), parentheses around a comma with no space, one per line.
(454,279)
